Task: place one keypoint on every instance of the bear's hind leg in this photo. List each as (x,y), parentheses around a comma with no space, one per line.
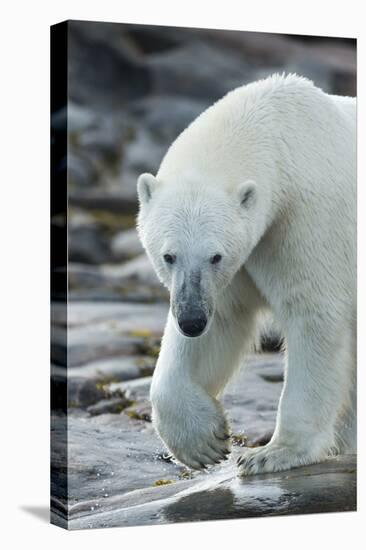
(310,402)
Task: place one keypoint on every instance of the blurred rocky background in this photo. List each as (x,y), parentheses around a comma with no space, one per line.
(132,89)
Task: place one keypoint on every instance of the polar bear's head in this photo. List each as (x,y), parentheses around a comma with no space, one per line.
(197,237)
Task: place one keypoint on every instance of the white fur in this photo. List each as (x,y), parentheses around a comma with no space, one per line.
(266,178)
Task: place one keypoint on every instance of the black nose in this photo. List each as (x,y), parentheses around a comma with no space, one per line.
(193,326)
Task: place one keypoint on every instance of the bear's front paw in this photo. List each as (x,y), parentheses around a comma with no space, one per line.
(274,458)
(198,435)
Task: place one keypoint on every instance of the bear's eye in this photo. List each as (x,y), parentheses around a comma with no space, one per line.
(169,259)
(216,259)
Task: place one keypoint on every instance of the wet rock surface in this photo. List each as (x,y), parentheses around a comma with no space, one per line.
(132,90)
(329,487)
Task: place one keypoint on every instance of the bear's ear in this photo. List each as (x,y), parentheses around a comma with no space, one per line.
(146,185)
(247,193)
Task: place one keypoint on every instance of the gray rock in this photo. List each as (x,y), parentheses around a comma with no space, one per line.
(144,153)
(139,411)
(138,270)
(88,238)
(101,331)
(83,172)
(126,245)
(192,70)
(83,392)
(129,317)
(80,118)
(166,116)
(320,60)
(134,280)
(152,38)
(312,68)
(113,406)
(91,343)
(340,59)
(137,390)
(102,145)
(76,117)
(108,369)
(257,48)
(319,488)
(103,69)
(272,369)
(88,245)
(116,200)
(273,377)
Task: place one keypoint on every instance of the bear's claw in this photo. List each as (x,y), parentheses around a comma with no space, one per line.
(275,458)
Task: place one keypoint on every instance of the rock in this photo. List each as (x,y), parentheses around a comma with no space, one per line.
(115,73)
(326,487)
(91,343)
(101,147)
(272,371)
(87,344)
(82,171)
(344,83)
(250,400)
(80,118)
(113,406)
(92,234)
(273,377)
(312,68)
(341,61)
(138,270)
(320,59)
(192,70)
(85,276)
(134,280)
(110,369)
(126,245)
(141,411)
(107,138)
(166,116)
(143,153)
(137,390)
(151,38)
(89,245)
(101,331)
(110,201)
(148,318)
(82,392)
(257,48)
(88,242)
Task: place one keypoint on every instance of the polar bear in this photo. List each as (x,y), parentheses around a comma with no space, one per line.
(253,210)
